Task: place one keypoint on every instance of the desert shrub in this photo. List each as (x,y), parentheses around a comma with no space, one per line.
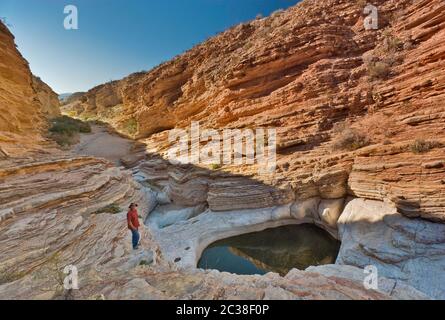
(215,166)
(71,113)
(423,146)
(11,275)
(88,117)
(64,130)
(112,208)
(112,112)
(392,43)
(349,139)
(69,125)
(379,70)
(131,126)
(144,263)
(361,4)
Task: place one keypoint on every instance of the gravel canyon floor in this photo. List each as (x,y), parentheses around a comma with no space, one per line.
(102,143)
(360,153)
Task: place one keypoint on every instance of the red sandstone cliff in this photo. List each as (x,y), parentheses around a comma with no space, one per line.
(313,72)
(299,71)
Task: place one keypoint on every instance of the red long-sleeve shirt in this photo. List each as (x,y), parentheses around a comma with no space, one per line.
(133,217)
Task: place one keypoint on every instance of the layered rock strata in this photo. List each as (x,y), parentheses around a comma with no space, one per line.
(21,118)
(314,77)
(47,97)
(26,103)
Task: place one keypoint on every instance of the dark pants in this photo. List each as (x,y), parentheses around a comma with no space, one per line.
(135,238)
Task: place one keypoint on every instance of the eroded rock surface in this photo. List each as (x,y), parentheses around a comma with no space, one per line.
(299,71)
(47,97)
(410,250)
(56,212)
(308,75)
(21,116)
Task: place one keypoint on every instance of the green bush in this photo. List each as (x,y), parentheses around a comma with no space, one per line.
(423,146)
(144,263)
(112,208)
(69,126)
(64,130)
(131,126)
(215,166)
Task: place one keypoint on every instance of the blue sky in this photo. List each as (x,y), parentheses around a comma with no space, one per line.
(118,37)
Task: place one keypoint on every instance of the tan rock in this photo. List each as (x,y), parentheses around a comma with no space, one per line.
(49,100)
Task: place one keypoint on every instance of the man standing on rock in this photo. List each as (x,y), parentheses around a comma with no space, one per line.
(133,224)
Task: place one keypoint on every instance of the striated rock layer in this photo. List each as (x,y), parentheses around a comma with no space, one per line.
(312,72)
(47,97)
(25,102)
(53,213)
(58,209)
(303,71)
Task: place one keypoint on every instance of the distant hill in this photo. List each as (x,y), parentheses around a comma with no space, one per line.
(64,96)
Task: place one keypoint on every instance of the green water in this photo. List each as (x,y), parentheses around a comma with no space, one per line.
(273,250)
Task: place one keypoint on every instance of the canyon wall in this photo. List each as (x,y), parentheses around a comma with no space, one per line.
(21,117)
(54,206)
(358,112)
(26,102)
(49,100)
(312,72)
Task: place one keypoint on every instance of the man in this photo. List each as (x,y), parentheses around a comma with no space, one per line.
(133,224)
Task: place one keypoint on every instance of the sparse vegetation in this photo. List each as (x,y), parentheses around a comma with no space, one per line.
(71,114)
(349,138)
(391,43)
(423,146)
(11,275)
(379,70)
(65,130)
(88,117)
(215,166)
(144,263)
(112,208)
(131,126)
(361,4)
(112,112)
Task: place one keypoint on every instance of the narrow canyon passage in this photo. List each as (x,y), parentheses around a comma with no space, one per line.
(354,132)
(102,142)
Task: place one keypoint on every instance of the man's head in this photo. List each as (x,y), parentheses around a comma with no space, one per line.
(133,206)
